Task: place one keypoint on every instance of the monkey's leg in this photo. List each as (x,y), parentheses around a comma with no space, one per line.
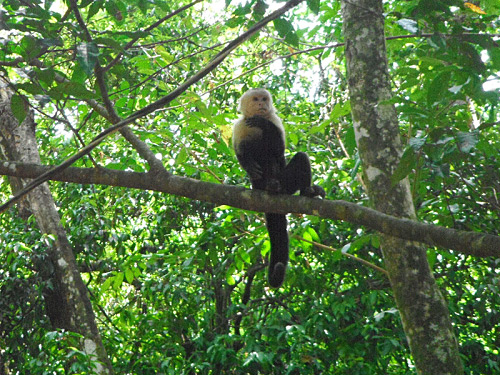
(278,235)
(297,176)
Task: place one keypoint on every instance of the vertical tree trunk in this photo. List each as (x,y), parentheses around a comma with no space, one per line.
(422,308)
(68,304)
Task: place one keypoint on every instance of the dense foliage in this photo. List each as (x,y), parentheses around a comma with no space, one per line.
(179,286)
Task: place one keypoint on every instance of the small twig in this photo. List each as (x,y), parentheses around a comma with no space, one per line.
(360,260)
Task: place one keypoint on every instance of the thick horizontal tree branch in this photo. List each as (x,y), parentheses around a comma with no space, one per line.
(470,243)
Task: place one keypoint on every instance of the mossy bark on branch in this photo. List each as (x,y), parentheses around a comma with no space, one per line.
(422,307)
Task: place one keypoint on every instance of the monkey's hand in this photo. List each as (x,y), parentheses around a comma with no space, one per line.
(313,191)
(258,122)
(273,185)
(254,170)
(249,164)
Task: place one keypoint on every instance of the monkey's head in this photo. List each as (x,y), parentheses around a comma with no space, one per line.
(257,102)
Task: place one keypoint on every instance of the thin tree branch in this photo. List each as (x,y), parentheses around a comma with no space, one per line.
(360,260)
(140,146)
(148,29)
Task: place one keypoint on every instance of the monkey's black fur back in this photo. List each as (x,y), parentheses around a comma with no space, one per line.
(263,158)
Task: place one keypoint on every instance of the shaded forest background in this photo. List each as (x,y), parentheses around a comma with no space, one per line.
(177,285)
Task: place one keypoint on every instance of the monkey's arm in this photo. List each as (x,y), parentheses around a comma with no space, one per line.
(246,157)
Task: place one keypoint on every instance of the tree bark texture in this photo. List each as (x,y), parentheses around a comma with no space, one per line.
(68,305)
(422,308)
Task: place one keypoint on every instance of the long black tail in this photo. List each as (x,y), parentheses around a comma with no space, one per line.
(278,235)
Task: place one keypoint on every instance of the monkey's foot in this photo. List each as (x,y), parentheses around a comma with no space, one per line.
(313,191)
(277,275)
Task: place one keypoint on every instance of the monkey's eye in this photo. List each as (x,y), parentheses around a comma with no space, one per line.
(255,99)
(264,99)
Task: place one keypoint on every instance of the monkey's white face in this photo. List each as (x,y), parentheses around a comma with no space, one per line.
(257,103)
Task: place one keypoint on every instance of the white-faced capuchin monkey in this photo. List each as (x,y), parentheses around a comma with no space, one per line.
(259,143)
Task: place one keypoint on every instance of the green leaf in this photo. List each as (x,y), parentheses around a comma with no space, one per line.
(340,110)
(467,141)
(337,254)
(431,257)
(494,54)
(202,107)
(47,75)
(230,280)
(313,5)
(71,88)
(95,7)
(438,87)
(107,283)
(129,275)
(18,107)
(182,156)
(86,55)
(259,9)
(285,30)
(31,87)
(167,56)
(417,142)
(118,279)
(109,42)
(406,165)
(30,47)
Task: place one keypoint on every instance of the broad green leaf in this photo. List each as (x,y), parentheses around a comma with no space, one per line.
(438,87)
(95,7)
(129,275)
(313,5)
(285,30)
(259,9)
(494,54)
(30,47)
(87,55)
(18,107)
(118,280)
(47,75)
(417,143)
(110,42)
(467,141)
(167,56)
(182,156)
(107,283)
(31,87)
(431,257)
(406,164)
(340,110)
(74,89)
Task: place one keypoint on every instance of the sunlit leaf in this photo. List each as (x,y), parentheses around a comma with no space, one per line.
(408,25)
(474,8)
